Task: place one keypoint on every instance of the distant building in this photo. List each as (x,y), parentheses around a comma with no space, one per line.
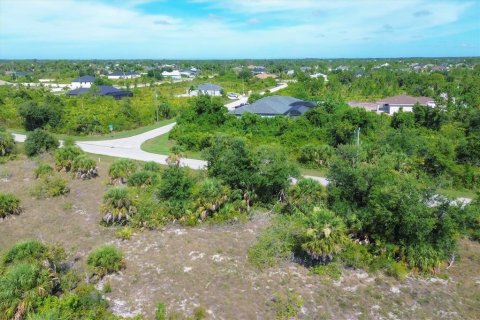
(405,103)
(318,75)
(102,91)
(210,89)
(276,106)
(265,76)
(82,82)
(175,74)
(123,75)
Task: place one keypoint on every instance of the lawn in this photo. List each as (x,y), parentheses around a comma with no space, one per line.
(113,135)
(162,145)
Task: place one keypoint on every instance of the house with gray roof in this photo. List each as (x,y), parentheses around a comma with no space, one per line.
(82,82)
(276,106)
(108,91)
(210,89)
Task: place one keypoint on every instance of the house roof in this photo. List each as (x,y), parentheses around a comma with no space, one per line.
(122,74)
(209,87)
(406,100)
(85,79)
(276,105)
(104,91)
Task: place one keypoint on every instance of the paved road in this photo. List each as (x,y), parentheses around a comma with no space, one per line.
(244,99)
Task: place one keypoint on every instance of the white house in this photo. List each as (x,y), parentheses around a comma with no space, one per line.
(318,75)
(123,75)
(82,82)
(175,74)
(406,103)
(210,89)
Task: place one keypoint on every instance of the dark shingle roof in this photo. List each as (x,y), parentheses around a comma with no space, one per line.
(209,87)
(85,79)
(104,91)
(275,106)
(122,74)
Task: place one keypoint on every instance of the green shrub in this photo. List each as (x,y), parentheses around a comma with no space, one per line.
(7,144)
(152,166)
(287,306)
(124,233)
(143,179)
(43,170)
(356,256)
(25,251)
(64,157)
(39,141)
(315,156)
(210,195)
(50,186)
(9,204)
(105,259)
(84,167)
(275,244)
(330,271)
(118,206)
(398,270)
(121,170)
(161,312)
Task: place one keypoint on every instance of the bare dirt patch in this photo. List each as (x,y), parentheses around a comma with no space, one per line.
(207,266)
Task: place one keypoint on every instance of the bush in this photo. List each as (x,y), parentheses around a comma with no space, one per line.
(152,166)
(398,270)
(65,156)
(39,141)
(7,144)
(25,251)
(124,233)
(117,207)
(50,186)
(43,170)
(143,179)
(210,195)
(105,259)
(315,156)
(161,312)
(121,170)
(85,167)
(9,204)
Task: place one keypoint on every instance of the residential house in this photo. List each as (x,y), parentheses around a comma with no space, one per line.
(123,75)
(210,89)
(272,106)
(265,76)
(175,74)
(82,82)
(405,103)
(318,75)
(102,91)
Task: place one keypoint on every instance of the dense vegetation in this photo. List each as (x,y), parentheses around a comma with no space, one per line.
(36,282)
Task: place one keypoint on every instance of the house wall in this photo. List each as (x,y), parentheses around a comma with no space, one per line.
(76,85)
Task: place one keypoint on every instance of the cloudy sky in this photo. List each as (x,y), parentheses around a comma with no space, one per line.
(204,29)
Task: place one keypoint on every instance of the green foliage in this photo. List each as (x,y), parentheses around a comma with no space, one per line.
(210,196)
(39,141)
(161,312)
(39,115)
(84,166)
(9,204)
(25,251)
(42,170)
(124,233)
(118,206)
(330,271)
(287,305)
(143,179)
(152,166)
(121,169)
(65,156)
(175,188)
(105,259)
(49,186)
(315,156)
(7,144)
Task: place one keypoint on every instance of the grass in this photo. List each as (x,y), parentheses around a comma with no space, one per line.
(162,145)
(458,193)
(113,135)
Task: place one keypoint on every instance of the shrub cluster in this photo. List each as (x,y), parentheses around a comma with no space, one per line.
(39,141)
(105,259)
(9,204)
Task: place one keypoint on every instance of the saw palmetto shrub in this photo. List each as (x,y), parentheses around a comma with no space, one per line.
(9,204)
(118,206)
(121,170)
(105,259)
(84,167)
(65,156)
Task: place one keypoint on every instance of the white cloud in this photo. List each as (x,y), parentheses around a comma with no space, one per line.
(102,28)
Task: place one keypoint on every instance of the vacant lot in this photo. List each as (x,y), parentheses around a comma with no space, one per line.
(207,266)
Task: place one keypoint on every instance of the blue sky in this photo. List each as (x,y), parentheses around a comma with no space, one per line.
(223,29)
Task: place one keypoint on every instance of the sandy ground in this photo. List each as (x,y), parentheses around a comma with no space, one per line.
(207,266)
